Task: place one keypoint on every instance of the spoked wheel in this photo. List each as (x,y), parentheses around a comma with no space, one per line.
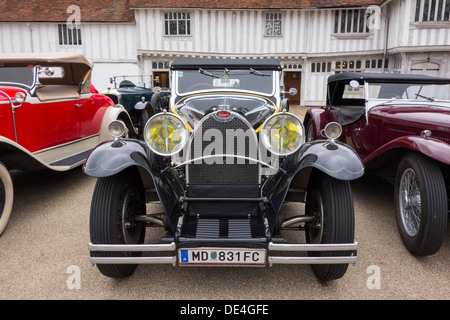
(115,203)
(421,204)
(6,197)
(330,201)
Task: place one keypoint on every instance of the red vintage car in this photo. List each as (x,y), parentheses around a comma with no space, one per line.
(51,116)
(400,127)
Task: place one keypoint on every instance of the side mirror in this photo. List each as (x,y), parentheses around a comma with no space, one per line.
(49,72)
(292,91)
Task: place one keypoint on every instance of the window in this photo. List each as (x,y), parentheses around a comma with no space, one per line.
(177,23)
(377,64)
(69,36)
(353,66)
(321,67)
(432,10)
(273,24)
(350,21)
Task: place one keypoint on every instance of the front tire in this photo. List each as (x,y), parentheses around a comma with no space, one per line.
(6,197)
(115,202)
(421,204)
(331,202)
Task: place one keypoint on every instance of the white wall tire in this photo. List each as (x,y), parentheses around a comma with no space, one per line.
(6,197)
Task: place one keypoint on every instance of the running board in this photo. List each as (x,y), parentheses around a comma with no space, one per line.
(272,247)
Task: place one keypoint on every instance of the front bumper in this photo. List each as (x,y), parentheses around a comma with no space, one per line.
(277,253)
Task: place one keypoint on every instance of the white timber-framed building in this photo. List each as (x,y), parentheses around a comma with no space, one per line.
(312,39)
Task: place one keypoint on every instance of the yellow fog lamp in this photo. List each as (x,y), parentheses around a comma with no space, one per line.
(332,130)
(282,134)
(117,128)
(166,134)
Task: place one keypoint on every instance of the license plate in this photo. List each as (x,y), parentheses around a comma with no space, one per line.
(222,256)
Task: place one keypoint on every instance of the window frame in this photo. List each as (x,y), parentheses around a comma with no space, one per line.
(173,16)
(69,36)
(424,13)
(277,16)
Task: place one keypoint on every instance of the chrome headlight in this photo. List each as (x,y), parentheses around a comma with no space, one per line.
(166,134)
(117,128)
(282,134)
(332,130)
(20,97)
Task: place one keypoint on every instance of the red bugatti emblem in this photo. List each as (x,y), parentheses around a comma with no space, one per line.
(223,114)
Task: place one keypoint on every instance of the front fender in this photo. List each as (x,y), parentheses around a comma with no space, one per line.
(112,157)
(318,117)
(333,158)
(433,148)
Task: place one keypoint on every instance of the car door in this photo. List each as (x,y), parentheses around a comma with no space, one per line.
(63,118)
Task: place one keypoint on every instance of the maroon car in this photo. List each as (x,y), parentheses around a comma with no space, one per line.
(400,126)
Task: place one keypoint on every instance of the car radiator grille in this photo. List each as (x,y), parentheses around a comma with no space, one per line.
(213,137)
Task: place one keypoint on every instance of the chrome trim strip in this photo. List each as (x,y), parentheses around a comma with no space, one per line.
(311,260)
(134,260)
(312,247)
(132,247)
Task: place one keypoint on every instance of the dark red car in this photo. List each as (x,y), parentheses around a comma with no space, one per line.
(51,117)
(400,127)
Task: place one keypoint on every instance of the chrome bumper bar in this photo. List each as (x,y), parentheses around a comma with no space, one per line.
(296,247)
(170,247)
(172,259)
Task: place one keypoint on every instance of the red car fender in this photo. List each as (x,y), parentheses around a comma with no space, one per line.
(433,148)
(320,119)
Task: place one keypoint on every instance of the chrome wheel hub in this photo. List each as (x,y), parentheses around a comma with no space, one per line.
(410,202)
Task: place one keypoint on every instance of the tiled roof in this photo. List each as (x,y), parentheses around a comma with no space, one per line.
(251,4)
(119,10)
(56,10)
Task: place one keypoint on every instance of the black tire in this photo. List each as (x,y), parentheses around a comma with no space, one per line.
(115,200)
(421,206)
(142,118)
(309,131)
(156,102)
(6,197)
(331,201)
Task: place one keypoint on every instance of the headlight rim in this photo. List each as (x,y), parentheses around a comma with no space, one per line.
(326,133)
(170,114)
(268,147)
(124,130)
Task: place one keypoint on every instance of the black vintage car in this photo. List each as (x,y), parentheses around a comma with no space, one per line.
(222,161)
(140,102)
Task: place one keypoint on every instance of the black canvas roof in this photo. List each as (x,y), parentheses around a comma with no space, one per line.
(385,77)
(195,64)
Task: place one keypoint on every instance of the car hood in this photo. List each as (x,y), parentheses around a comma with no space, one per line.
(425,117)
(256,109)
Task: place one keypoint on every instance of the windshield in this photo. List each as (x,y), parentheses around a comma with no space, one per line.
(17,75)
(254,109)
(247,80)
(410,91)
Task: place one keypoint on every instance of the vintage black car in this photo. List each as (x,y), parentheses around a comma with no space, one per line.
(222,161)
(140,102)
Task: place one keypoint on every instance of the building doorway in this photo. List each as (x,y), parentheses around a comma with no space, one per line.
(293,79)
(161,79)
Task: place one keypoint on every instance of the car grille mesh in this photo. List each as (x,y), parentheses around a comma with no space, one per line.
(223,170)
